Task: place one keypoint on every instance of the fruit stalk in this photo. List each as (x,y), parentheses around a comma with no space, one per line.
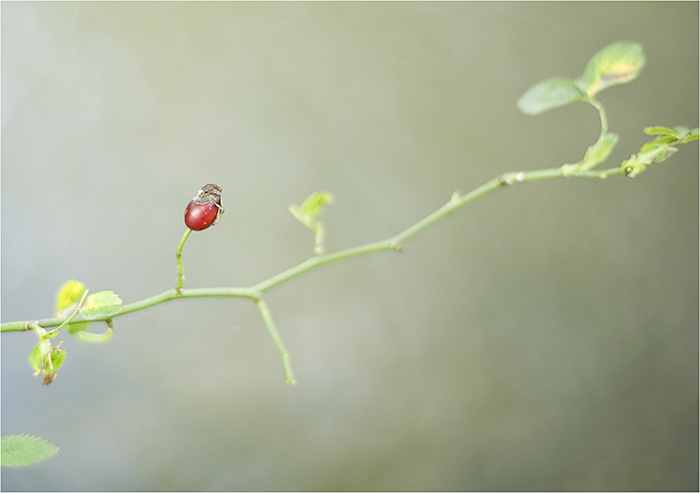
(203,211)
(180,268)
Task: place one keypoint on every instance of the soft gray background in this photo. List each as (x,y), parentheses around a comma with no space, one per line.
(545,337)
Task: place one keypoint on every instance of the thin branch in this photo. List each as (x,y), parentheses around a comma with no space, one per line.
(286,360)
(391,244)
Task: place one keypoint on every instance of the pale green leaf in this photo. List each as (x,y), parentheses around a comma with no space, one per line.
(77,327)
(691,135)
(598,152)
(677,134)
(102,304)
(70,293)
(617,63)
(549,94)
(92,337)
(314,203)
(58,357)
(37,357)
(22,450)
(661,131)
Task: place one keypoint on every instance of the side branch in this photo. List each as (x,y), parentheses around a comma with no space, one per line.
(286,360)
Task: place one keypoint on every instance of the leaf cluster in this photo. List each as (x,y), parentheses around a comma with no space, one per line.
(659,149)
(72,300)
(615,64)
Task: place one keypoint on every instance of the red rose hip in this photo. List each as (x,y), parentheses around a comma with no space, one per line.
(200,216)
(204,210)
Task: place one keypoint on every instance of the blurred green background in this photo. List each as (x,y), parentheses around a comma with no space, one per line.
(545,337)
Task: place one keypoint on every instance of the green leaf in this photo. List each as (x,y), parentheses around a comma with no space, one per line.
(617,63)
(667,139)
(22,450)
(69,294)
(649,147)
(58,357)
(651,152)
(92,337)
(657,155)
(691,135)
(662,131)
(78,327)
(102,304)
(678,134)
(549,94)
(314,203)
(38,355)
(599,152)
(595,155)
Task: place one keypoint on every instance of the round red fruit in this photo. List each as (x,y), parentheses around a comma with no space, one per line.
(200,216)
(204,210)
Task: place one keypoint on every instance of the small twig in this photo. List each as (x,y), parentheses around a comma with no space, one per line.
(286,361)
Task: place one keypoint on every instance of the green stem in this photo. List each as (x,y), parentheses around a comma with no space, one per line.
(169,295)
(180,268)
(318,261)
(394,243)
(603,116)
(319,238)
(286,360)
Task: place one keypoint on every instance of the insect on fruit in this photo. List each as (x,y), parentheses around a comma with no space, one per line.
(204,210)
